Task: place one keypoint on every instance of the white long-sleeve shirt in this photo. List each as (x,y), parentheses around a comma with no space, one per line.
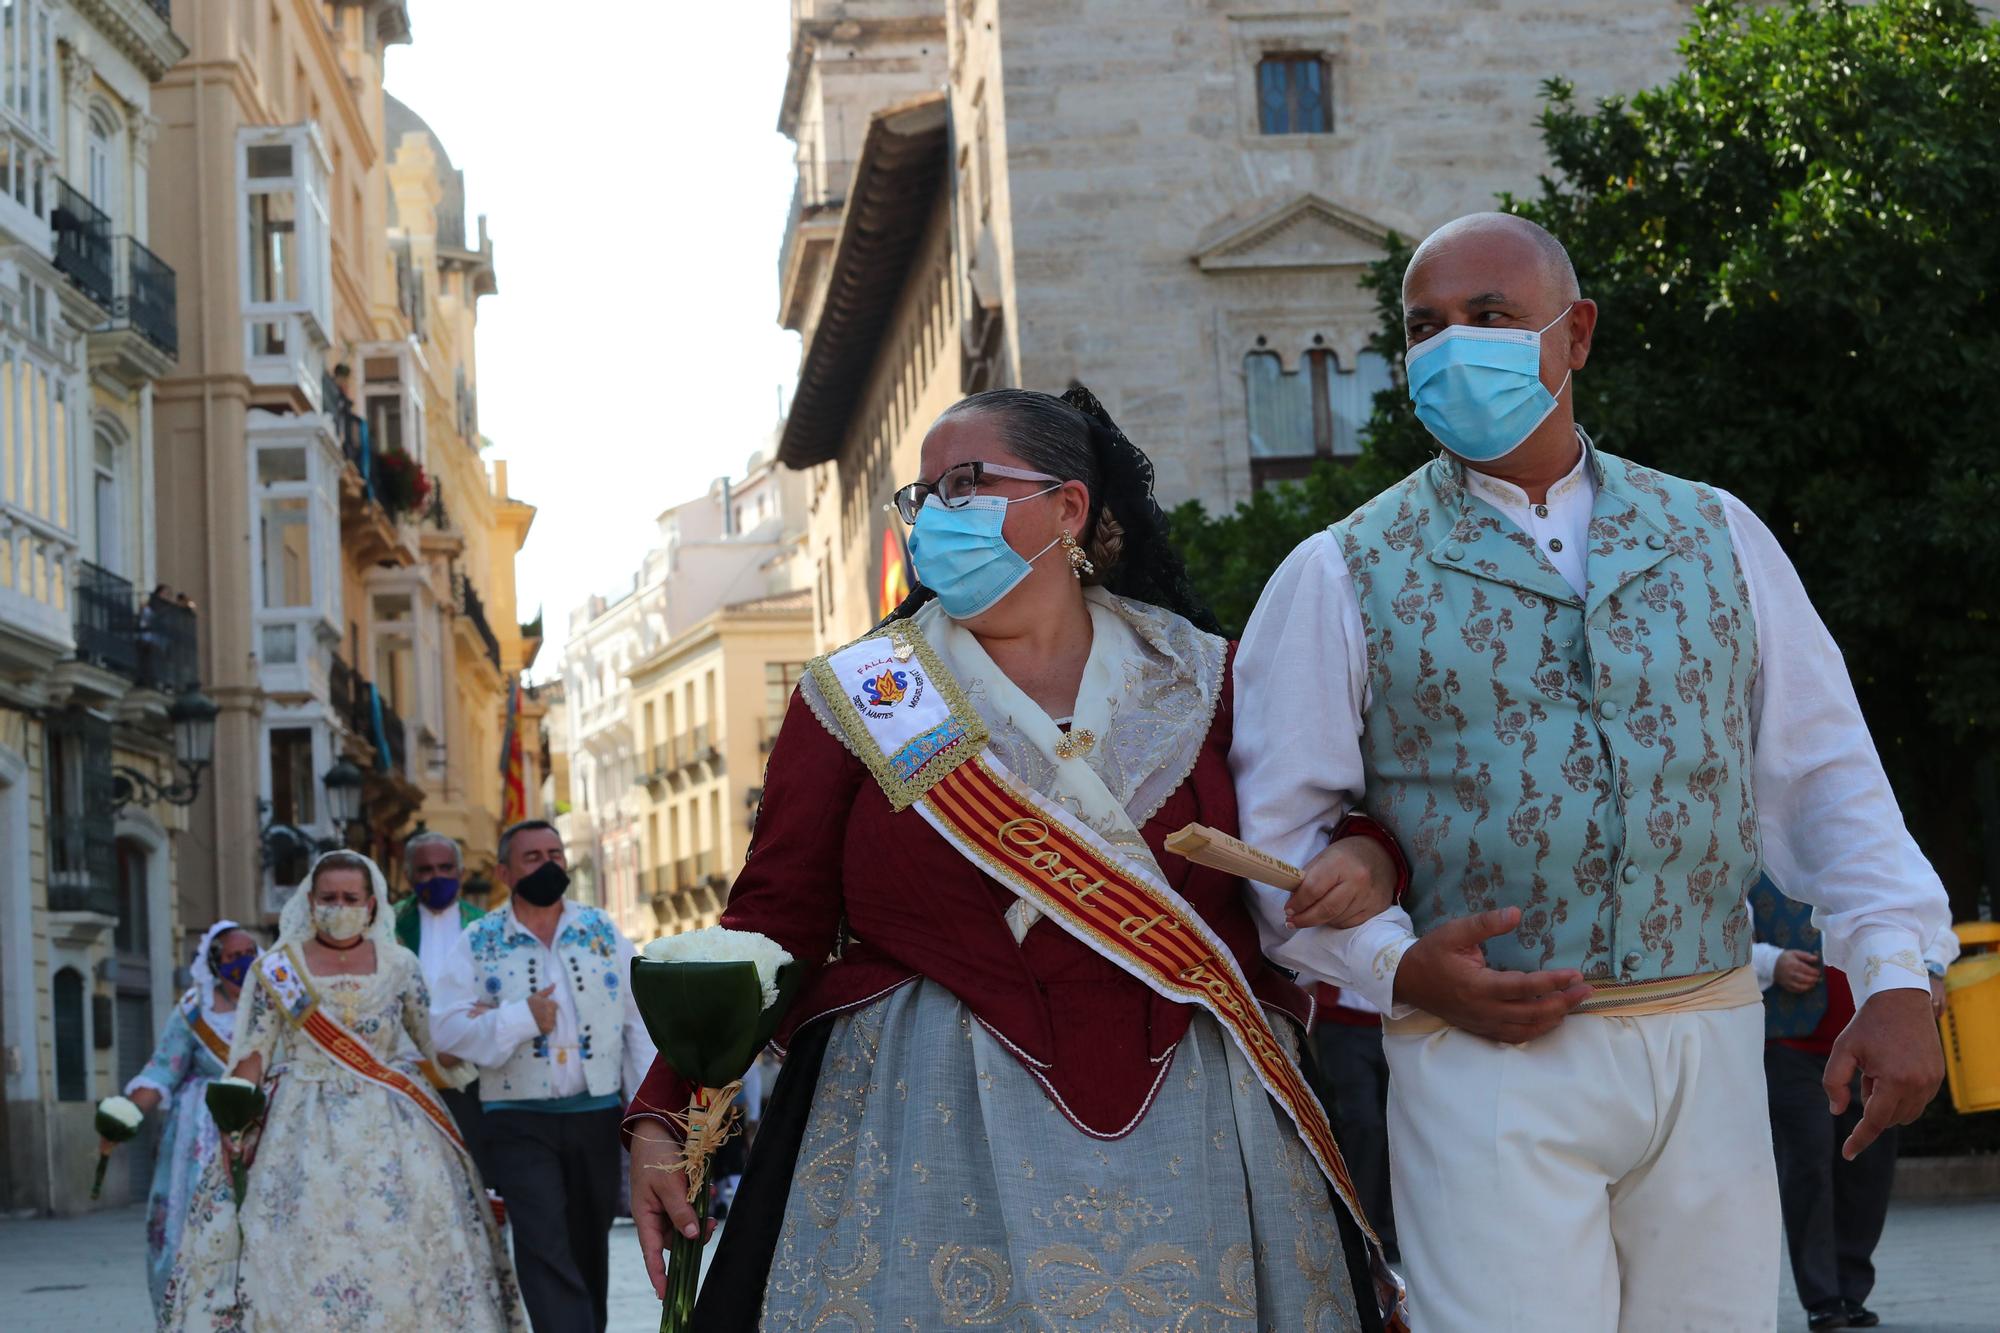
(1832,833)
(1942,951)
(464,1024)
(436,933)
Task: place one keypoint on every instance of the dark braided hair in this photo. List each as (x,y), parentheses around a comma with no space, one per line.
(1125,534)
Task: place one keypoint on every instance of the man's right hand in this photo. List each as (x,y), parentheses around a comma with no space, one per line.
(660,1207)
(1445,975)
(543,1007)
(1796,971)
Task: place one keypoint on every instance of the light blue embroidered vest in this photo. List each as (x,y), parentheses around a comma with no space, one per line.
(1780,921)
(507,961)
(1586,759)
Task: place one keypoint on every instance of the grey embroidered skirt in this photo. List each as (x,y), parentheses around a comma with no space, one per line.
(938,1187)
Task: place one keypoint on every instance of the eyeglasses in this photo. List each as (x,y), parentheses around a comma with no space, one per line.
(957,485)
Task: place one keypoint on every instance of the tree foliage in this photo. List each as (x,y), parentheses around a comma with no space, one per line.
(1795,247)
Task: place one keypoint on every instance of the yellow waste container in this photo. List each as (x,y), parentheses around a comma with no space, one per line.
(1971,1022)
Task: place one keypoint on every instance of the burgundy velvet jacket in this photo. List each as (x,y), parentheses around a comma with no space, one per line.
(831,861)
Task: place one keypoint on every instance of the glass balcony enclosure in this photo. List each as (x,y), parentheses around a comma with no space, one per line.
(295,527)
(286,255)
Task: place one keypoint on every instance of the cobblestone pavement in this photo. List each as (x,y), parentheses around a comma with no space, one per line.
(87,1274)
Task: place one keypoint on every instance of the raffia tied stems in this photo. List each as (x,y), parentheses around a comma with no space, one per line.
(705,1126)
(711,1117)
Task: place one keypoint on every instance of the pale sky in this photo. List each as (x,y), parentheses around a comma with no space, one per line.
(636,188)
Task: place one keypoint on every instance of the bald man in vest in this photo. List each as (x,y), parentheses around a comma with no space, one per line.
(1591,700)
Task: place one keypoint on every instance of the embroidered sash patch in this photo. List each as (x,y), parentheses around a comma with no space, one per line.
(900,710)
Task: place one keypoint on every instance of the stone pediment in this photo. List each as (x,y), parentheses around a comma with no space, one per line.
(1306,232)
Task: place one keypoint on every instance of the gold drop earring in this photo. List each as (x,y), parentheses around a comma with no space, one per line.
(1079,560)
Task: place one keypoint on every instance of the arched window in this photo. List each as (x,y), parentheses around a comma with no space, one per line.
(72,1061)
(1298,417)
(110,487)
(107,164)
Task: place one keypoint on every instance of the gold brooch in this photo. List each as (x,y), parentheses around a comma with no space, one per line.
(903,651)
(1075,743)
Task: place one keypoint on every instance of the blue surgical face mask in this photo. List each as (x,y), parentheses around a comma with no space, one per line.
(1479,391)
(963,556)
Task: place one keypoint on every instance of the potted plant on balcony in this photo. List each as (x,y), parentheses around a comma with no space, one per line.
(400,483)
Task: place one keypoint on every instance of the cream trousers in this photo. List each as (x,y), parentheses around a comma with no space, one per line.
(1615,1174)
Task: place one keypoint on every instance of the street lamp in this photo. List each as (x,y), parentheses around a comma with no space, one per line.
(193,717)
(283,842)
(343,795)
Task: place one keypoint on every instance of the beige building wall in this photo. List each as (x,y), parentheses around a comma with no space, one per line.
(256,65)
(354,350)
(708,705)
(89,936)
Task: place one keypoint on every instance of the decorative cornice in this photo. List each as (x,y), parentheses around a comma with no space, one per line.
(137,29)
(809,34)
(897,184)
(1305,232)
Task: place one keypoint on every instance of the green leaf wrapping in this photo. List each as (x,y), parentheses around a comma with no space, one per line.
(235,1108)
(708,1019)
(113,1130)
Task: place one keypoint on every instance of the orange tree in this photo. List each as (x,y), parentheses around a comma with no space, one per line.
(1795,245)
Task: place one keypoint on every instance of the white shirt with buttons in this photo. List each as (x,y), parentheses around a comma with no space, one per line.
(1832,833)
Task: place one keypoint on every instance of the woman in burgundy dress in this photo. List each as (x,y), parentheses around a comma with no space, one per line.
(985,1118)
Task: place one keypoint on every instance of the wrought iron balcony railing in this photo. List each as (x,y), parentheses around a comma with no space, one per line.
(146,297)
(150,643)
(474,610)
(83,243)
(369,715)
(169,659)
(106,627)
(82,845)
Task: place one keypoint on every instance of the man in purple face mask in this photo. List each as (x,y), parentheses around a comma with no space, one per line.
(428,923)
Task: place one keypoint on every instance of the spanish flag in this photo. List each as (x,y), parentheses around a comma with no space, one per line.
(513,783)
(895,584)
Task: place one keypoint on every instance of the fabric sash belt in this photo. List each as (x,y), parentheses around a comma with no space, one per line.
(1140,924)
(1731,989)
(203,1033)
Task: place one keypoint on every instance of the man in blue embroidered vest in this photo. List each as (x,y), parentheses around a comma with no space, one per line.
(1834,1206)
(1590,700)
(535,993)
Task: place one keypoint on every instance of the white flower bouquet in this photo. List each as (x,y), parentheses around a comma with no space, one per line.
(237,1105)
(711,1000)
(118,1121)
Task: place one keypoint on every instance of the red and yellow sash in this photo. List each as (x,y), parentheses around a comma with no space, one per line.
(198,1024)
(286,975)
(1122,910)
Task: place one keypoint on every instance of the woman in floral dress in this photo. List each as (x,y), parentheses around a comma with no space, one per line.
(362,1209)
(189,1057)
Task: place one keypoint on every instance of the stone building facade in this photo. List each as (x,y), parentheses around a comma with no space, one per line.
(1173,204)
(91,664)
(328,503)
